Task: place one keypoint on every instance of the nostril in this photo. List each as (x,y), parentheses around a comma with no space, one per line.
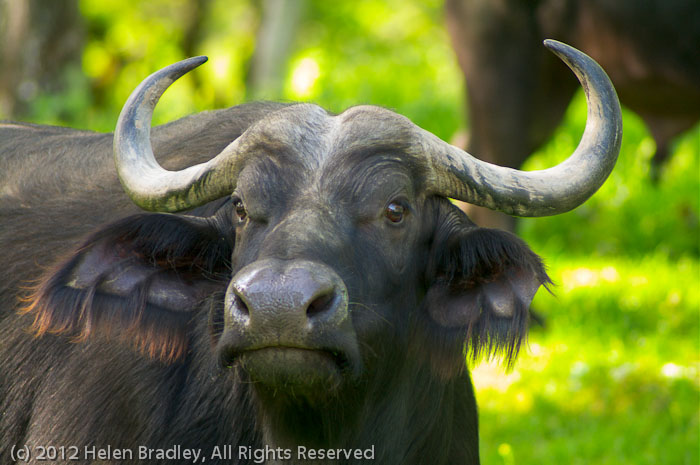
(227,356)
(240,305)
(320,304)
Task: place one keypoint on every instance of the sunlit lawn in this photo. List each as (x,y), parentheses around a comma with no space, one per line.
(612,378)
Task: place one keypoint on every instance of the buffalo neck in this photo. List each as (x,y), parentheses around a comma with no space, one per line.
(395,421)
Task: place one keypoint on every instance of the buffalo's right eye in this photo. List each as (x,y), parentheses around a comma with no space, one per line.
(238,206)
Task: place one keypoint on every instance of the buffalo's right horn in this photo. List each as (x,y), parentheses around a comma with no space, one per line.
(149,185)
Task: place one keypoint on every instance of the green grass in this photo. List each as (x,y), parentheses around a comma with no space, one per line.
(612,378)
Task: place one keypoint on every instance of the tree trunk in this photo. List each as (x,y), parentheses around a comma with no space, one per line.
(278,25)
(40,40)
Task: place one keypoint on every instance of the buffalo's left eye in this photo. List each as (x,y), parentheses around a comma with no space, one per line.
(395,212)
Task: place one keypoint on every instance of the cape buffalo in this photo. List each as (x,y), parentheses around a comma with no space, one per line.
(517,97)
(311,299)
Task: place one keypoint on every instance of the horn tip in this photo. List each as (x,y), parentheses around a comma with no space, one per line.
(191,63)
(570,55)
(555,45)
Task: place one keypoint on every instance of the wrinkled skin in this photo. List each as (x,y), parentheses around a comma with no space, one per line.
(515,101)
(178,342)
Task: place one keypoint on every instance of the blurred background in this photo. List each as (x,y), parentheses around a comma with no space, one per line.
(613,375)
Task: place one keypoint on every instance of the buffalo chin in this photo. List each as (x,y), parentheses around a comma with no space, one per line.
(293,367)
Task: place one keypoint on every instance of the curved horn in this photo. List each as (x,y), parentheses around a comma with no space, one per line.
(149,185)
(547,192)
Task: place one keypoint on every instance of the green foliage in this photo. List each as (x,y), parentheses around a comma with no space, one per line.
(614,376)
(630,214)
(394,54)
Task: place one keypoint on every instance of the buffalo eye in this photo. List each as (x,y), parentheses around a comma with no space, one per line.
(239,208)
(395,212)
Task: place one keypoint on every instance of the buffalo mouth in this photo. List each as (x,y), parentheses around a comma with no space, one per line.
(286,365)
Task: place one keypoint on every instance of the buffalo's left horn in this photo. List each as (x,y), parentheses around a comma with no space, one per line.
(149,185)
(547,192)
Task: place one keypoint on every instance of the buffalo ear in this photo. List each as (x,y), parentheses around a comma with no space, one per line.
(138,280)
(482,283)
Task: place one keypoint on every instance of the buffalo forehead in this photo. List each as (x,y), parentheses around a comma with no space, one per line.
(300,129)
(315,135)
(371,123)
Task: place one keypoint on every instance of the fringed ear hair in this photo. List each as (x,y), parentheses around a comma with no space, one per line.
(482,283)
(138,281)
